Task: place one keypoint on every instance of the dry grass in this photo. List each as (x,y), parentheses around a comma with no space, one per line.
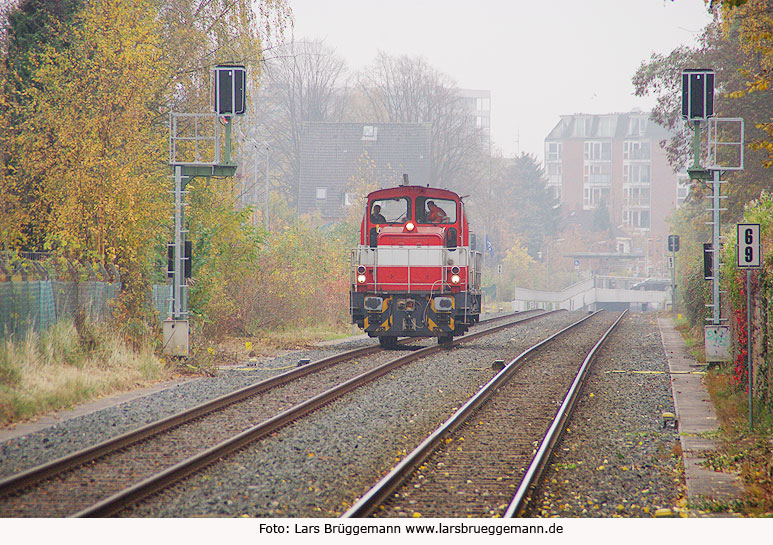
(270,342)
(63,366)
(741,450)
(68,365)
(289,339)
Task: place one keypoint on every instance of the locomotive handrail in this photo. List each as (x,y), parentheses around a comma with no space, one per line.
(369,256)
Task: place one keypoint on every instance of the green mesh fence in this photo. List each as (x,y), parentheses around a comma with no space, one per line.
(25,306)
(39,303)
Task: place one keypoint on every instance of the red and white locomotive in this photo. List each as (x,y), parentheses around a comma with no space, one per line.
(415,273)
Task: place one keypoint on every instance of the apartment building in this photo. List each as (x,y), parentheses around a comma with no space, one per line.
(615,161)
(477,104)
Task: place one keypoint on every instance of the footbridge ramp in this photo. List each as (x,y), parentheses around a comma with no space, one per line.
(599,292)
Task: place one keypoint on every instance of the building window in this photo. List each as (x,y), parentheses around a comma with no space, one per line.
(370,133)
(594,196)
(637,126)
(553,151)
(484,104)
(637,196)
(582,126)
(636,174)
(598,151)
(349,199)
(682,189)
(638,219)
(482,122)
(607,126)
(634,150)
(597,174)
(554,174)
(321,193)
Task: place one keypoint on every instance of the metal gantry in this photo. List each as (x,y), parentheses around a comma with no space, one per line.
(195,150)
(723,154)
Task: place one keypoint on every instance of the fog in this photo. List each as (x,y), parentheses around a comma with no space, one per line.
(539,59)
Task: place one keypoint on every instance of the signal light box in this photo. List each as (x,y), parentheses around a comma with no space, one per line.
(673,243)
(697,94)
(230,89)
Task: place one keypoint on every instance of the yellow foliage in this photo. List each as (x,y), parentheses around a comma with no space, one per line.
(90,138)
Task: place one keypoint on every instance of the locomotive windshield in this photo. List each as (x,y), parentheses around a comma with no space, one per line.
(396,210)
(429,210)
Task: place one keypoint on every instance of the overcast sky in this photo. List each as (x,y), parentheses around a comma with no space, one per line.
(539,58)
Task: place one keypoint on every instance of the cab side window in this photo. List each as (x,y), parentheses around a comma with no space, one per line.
(435,211)
(390,211)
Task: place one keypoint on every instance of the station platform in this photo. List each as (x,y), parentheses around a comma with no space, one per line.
(696,420)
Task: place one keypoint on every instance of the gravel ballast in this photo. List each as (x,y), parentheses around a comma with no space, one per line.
(617,459)
(318,466)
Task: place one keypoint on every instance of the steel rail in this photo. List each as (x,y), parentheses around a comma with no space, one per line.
(27,478)
(32,476)
(369,502)
(179,471)
(531,477)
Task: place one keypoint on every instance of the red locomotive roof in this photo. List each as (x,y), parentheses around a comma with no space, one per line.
(413,191)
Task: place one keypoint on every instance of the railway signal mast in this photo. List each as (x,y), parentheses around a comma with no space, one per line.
(199,146)
(724,153)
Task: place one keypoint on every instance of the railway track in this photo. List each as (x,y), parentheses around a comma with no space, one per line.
(100,480)
(484,460)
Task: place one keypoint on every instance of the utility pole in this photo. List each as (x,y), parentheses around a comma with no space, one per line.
(268,197)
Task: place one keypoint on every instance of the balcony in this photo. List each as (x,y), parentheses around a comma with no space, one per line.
(599,179)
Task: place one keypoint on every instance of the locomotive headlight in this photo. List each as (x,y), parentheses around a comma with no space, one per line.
(361,278)
(455,279)
(410,226)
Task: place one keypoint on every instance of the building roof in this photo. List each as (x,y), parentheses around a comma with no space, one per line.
(333,154)
(611,125)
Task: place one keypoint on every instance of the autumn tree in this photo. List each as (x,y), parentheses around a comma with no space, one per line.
(91,139)
(29,25)
(198,34)
(729,47)
(85,137)
(752,22)
(514,204)
(737,46)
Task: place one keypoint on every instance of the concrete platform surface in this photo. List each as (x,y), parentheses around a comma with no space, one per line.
(697,420)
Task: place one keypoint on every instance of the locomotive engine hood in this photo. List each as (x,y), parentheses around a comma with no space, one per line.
(421,235)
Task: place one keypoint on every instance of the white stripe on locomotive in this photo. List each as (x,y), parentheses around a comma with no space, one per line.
(424,256)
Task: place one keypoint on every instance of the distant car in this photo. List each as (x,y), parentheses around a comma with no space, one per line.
(652,284)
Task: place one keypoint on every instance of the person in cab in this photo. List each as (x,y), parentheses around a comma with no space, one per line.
(435,214)
(376,216)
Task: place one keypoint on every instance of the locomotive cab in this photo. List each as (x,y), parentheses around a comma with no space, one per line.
(414,273)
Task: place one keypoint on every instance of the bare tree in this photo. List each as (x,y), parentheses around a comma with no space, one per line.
(408,90)
(302,82)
